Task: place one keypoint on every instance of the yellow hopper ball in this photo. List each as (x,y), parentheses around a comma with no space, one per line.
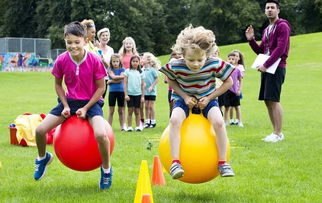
(198,150)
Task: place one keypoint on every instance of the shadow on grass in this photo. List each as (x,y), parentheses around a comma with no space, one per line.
(196,194)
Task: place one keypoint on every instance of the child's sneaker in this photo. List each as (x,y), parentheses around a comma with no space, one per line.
(152,125)
(225,170)
(240,124)
(106,179)
(176,170)
(138,129)
(147,125)
(41,166)
(129,129)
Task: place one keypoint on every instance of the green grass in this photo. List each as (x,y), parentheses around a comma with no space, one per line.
(289,171)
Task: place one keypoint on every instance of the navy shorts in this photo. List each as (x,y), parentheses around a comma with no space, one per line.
(271,85)
(149,97)
(135,101)
(74,105)
(231,99)
(116,96)
(181,104)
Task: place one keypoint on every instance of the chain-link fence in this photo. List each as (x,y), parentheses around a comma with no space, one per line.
(55,52)
(38,46)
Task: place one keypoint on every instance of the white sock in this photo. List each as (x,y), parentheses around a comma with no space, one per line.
(41,158)
(232,120)
(147,121)
(106,170)
(153,121)
(237,121)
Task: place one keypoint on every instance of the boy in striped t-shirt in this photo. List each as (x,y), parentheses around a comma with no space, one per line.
(193,79)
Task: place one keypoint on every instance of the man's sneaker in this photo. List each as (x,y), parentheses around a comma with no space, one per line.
(41,166)
(106,179)
(176,170)
(225,170)
(273,138)
(129,129)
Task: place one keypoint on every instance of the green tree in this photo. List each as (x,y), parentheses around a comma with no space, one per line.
(17,18)
(227,18)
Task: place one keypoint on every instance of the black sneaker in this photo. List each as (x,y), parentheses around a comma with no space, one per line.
(147,125)
(153,125)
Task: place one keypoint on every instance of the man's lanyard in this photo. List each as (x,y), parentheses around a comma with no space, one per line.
(270,29)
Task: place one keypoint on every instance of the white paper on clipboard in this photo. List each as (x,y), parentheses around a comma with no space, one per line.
(261,59)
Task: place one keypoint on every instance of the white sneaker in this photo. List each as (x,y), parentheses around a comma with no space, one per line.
(129,129)
(139,128)
(240,124)
(273,138)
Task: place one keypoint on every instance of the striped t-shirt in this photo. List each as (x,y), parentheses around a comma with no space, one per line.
(201,83)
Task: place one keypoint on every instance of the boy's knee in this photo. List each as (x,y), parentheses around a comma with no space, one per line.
(218,124)
(101,136)
(40,130)
(175,121)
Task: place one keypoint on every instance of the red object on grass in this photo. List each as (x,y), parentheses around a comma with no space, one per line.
(76,146)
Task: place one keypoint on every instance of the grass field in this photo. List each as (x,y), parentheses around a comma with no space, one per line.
(289,171)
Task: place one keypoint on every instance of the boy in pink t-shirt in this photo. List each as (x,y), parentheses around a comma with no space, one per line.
(83,74)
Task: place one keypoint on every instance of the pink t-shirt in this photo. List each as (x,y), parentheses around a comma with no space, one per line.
(79,78)
(126,60)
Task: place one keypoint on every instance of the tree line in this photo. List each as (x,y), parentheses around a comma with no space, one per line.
(154,24)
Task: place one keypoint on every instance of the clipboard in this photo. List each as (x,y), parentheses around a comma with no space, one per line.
(261,59)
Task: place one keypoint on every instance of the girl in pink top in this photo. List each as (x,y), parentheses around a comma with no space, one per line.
(127,50)
(83,73)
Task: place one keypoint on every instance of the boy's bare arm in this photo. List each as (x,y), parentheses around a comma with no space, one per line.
(60,91)
(203,102)
(222,89)
(97,95)
(190,101)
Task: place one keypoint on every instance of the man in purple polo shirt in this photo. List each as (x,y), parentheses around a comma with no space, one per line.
(275,43)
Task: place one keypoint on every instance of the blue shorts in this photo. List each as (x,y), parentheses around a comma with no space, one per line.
(74,105)
(181,104)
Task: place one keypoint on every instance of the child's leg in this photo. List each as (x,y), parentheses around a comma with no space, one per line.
(215,118)
(147,110)
(45,126)
(137,116)
(100,132)
(141,113)
(231,115)
(227,108)
(110,114)
(121,116)
(152,110)
(129,116)
(238,113)
(177,117)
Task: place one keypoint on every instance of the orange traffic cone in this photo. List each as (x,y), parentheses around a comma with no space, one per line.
(157,173)
(146,198)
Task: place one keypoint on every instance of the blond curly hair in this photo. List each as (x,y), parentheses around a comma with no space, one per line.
(195,38)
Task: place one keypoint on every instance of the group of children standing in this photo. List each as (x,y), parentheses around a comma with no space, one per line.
(132,79)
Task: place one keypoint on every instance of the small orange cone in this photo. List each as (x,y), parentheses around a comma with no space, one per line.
(157,173)
(146,198)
